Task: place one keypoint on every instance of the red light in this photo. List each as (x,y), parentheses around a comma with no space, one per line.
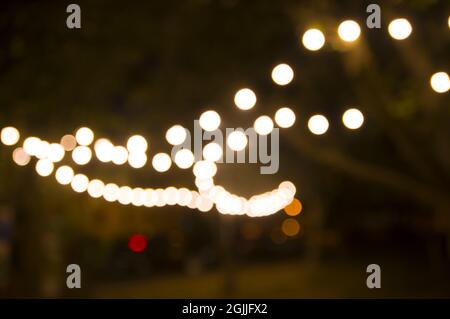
(137,243)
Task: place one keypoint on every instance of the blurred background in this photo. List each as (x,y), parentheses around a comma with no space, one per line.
(379,194)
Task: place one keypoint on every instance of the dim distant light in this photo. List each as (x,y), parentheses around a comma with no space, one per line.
(353,119)
(119,155)
(313,39)
(282,74)
(318,124)
(245,99)
(290,227)
(440,82)
(349,31)
(400,29)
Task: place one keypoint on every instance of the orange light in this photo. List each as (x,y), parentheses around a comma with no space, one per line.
(290,227)
(294,208)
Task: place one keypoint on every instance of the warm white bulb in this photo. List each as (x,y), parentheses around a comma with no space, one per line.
(42,150)
(263,125)
(245,99)
(285,117)
(400,29)
(440,82)
(318,124)
(119,155)
(353,119)
(171,195)
(96,188)
(64,175)
(138,196)
(10,135)
(111,192)
(205,169)
(56,152)
(68,142)
(176,135)
(104,150)
(184,196)
(313,39)
(212,152)
(137,160)
(125,195)
(349,31)
(31,145)
(137,144)
(209,121)
(84,136)
(204,204)
(282,74)
(161,162)
(237,140)
(20,157)
(184,158)
(81,155)
(80,183)
(44,167)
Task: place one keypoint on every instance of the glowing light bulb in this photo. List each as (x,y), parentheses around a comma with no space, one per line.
(125,194)
(138,197)
(318,124)
(245,99)
(44,167)
(237,140)
(289,186)
(184,196)
(10,135)
(150,198)
(313,39)
(161,162)
(20,157)
(205,169)
(160,201)
(204,184)
(137,144)
(68,142)
(184,158)
(84,136)
(56,152)
(42,150)
(263,125)
(353,119)
(95,188)
(209,121)
(204,204)
(171,195)
(176,135)
(104,150)
(282,74)
(440,82)
(212,152)
(119,155)
(137,160)
(64,175)
(80,183)
(285,117)
(111,192)
(31,145)
(349,31)
(400,29)
(81,155)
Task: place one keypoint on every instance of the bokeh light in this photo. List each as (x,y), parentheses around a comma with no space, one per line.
(285,117)
(205,169)
(82,155)
(10,135)
(440,82)
(96,188)
(104,150)
(64,175)
(282,74)
(353,118)
(237,140)
(290,227)
(400,29)
(137,144)
(209,121)
(20,157)
(212,152)
(161,162)
(184,158)
(318,124)
(84,136)
(31,145)
(263,125)
(137,159)
(44,167)
(137,243)
(119,155)
(245,99)
(313,39)
(176,135)
(56,152)
(349,31)
(80,183)
(294,208)
(68,142)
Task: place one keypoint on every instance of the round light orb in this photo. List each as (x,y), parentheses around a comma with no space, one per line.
(176,135)
(289,186)
(150,198)
(161,162)
(263,125)
(43,150)
(125,195)
(96,188)
(204,204)
(193,203)
(84,136)
(119,155)
(10,135)
(237,140)
(56,152)
(171,195)
(31,145)
(44,167)
(137,144)
(204,184)
(184,196)
(64,175)
(68,142)
(209,121)
(184,158)
(111,192)
(285,117)
(104,150)
(318,124)
(205,169)
(353,119)
(349,31)
(400,29)
(212,152)
(80,183)
(20,157)
(138,197)
(81,155)
(440,82)
(160,198)
(282,74)
(245,99)
(313,39)
(137,160)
